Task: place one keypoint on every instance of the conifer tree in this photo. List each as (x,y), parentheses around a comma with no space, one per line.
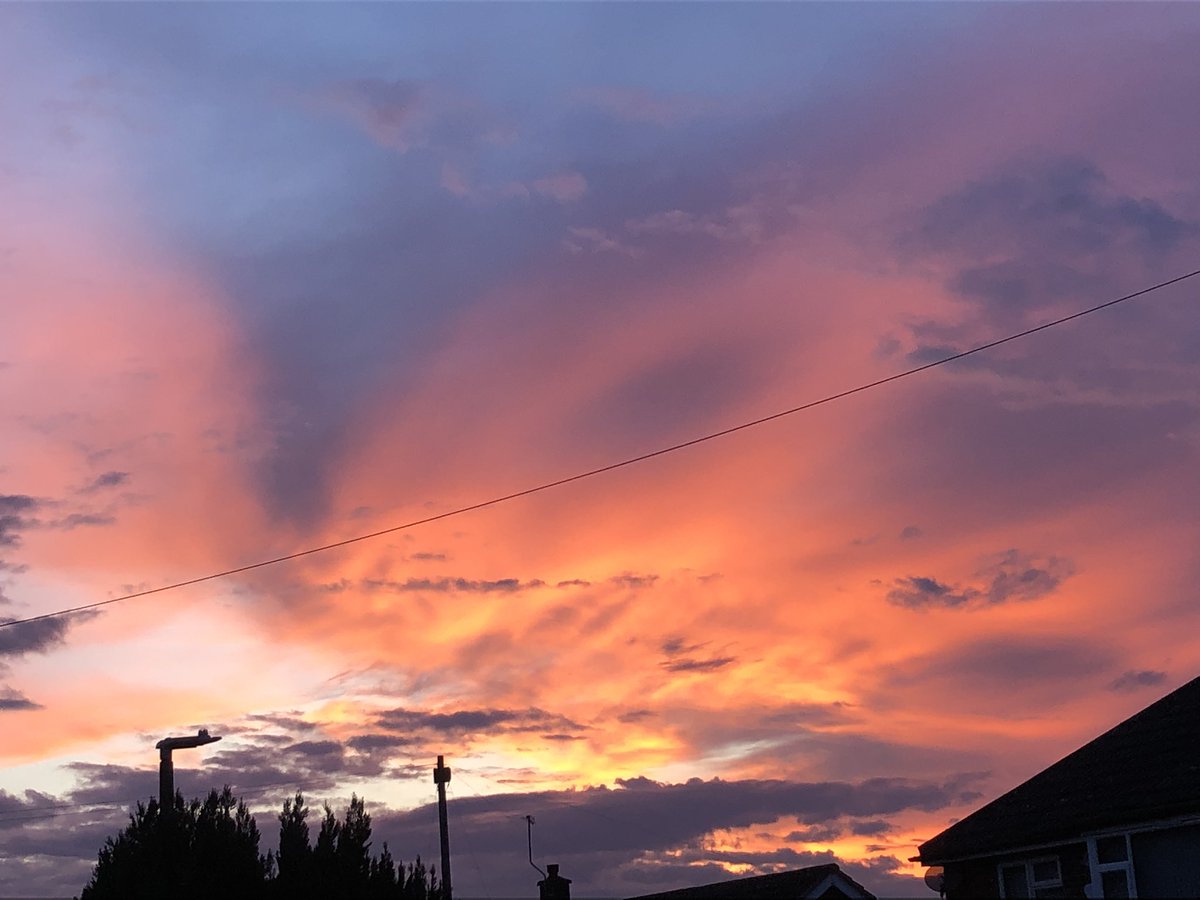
(210,849)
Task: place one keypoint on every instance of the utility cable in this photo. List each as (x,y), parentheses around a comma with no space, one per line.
(610,467)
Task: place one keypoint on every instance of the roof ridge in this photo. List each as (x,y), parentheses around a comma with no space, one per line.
(1064,793)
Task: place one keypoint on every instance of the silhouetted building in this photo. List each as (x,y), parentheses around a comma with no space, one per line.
(1119,817)
(554,886)
(826,882)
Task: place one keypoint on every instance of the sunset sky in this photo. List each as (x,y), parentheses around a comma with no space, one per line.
(274,276)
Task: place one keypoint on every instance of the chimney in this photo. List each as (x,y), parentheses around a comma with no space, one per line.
(554,886)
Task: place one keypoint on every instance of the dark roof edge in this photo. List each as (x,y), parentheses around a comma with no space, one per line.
(824,871)
(1131,722)
(839,873)
(1136,827)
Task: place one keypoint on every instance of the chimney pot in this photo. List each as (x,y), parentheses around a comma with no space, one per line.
(554,886)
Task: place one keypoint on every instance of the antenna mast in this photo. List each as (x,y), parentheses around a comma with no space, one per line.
(529,833)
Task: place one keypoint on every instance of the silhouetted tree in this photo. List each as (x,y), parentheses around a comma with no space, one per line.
(354,850)
(225,846)
(202,850)
(210,849)
(325,875)
(418,884)
(382,883)
(294,861)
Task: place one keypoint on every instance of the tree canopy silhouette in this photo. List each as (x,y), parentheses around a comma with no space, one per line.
(210,849)
(202,850)
(340,865)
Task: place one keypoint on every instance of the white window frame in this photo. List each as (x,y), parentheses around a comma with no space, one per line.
(1097,867)
(1034,886)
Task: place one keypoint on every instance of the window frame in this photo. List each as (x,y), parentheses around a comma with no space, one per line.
(1097,868)
(1034,886)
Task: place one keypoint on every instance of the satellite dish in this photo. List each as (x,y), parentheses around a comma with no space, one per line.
(935,878)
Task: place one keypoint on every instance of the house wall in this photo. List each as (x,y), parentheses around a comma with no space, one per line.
(1167,863)
(979,878)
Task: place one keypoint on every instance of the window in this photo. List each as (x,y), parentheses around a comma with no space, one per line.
(1111,849)
(1115,883)
(1046,873)
(1024,879)
(1112,865)
(1014,882)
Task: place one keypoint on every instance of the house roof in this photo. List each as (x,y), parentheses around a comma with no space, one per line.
(792,885)
(1145,769)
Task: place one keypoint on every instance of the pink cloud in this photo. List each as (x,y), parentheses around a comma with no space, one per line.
(392,113)
(562,187)
(455,180)
(641,105)
(594,240)
(742,222)
(565,187)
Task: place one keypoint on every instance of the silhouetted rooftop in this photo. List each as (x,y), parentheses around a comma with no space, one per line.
(1145,769)
(780,886)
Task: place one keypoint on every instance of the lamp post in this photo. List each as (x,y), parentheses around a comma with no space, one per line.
(166,768)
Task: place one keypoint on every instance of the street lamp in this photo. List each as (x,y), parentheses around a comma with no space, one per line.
(166,769)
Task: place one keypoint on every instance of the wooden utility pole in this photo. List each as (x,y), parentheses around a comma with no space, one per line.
(441,775)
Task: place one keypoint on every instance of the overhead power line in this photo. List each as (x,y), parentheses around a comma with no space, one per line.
(610,467)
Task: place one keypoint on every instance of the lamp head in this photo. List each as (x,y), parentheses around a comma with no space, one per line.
(201,738)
